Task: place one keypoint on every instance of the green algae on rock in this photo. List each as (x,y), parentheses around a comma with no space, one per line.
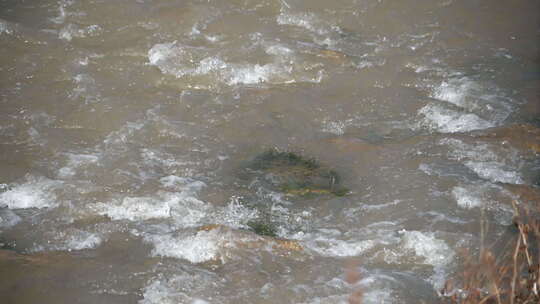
(296,175)
(263,228)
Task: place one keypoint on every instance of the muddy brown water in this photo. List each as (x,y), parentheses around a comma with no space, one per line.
(124,126)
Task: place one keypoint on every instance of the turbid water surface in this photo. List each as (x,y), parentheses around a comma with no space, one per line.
(126,128)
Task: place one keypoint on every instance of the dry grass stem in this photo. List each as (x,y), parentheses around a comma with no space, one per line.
(510,276)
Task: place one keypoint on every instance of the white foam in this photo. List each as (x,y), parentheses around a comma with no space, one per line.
(460,150)
(335,127)
(234,215)
(36,137)
(377,288)
(135,209)
(333,299)
(455,91)
(487,164)
(279,50)
(252,74)
(5,27)
(340,248)
(162,159)
(8,218)
(189,211)
(201,247)
(175,59)
(179,289)
(42,119)
(36,192)
(471,95)
(427,249)
(186,210)
(181,60)
(434,251)
(73,31)
(307,21)
(427,169)
(377,296)
(182,184)
(83,240)
(161,52)
(68,240)
(85,88)
(445,120)
(76,162)
(465,105)
(487,196)
(467,199)
(326,242)
(118,139)
(210,64)
(494,171)
(158,293)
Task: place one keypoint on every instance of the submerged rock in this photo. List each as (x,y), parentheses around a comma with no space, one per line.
(333,54)
(229,243)
(263,228)
(274,179)
(295,175)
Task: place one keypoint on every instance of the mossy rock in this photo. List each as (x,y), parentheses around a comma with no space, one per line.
(296,175)
(263,228)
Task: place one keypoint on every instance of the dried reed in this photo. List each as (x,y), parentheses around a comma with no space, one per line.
(509,277)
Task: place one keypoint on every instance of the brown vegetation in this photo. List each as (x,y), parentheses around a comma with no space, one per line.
(509,277)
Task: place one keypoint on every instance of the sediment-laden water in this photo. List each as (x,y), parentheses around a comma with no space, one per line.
(127,127)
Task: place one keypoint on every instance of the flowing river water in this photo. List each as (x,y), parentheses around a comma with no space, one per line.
(124,126)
